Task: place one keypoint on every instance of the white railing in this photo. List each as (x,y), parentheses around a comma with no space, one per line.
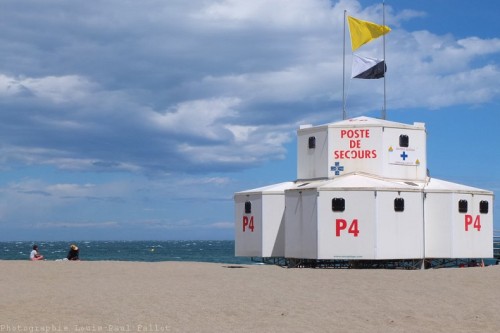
(496,243)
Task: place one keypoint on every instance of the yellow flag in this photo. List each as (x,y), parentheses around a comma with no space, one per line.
(363,31)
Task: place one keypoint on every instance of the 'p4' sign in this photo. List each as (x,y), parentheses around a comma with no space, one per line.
(341,224)
(248,223)
(469,220)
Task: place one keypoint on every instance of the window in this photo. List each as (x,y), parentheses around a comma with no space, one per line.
(483,207)
(248,207)
(462,206)
(312,142)
(399,205)
(338,204)
(404,141)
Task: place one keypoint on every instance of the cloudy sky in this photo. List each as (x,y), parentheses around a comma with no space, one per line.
(124,119)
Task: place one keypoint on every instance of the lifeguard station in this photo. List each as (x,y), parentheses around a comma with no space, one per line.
(363,198)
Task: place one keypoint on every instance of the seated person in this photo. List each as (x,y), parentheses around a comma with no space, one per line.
(35,255)
(73,253)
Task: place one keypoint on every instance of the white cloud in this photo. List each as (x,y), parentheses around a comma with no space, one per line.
(301,14)
(156,101)
(185,86)
(203,181)
(286,85)
(221,225)
(53,88)
(58,89)
(203,118)
(266,142)
(77,225)
(241,133)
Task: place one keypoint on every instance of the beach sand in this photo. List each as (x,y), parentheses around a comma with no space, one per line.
(85,296)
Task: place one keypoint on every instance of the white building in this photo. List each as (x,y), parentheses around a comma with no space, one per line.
(362,192)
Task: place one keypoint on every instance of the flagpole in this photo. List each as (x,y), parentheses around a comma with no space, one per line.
(343,74)
(385,61)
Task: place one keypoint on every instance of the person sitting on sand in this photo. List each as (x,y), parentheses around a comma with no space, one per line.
(35,255)
(73,253)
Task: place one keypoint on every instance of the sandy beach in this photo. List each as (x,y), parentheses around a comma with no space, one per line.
(84,296)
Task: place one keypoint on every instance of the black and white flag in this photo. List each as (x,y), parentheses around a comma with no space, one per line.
(367,68)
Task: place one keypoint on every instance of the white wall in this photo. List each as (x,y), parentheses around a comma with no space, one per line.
(399,234)
(438,210)
(312,163)
(360,206)
(273,233)
(301,224)
(356,152)
(472,242)
(248,243)
(394,165)
(445,228)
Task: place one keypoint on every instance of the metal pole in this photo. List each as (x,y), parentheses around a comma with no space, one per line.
(343,74)
(385,62)
(424,197)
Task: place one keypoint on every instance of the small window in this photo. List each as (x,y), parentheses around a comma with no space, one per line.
(483,207)
(338,204)
(404,141)
(399,205)
(312,142)
(248,207)
(462,206)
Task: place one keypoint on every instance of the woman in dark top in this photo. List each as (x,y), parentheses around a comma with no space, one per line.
(73,253)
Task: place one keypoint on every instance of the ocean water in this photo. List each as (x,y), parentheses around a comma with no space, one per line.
(147,251)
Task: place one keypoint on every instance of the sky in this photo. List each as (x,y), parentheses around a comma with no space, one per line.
(139,120)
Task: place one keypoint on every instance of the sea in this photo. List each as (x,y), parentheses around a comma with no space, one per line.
(217,251)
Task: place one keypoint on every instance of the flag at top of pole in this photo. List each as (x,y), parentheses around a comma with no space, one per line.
(363,32)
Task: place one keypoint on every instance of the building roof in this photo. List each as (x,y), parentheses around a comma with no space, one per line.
(367,122)
(270,189)
(368,182)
